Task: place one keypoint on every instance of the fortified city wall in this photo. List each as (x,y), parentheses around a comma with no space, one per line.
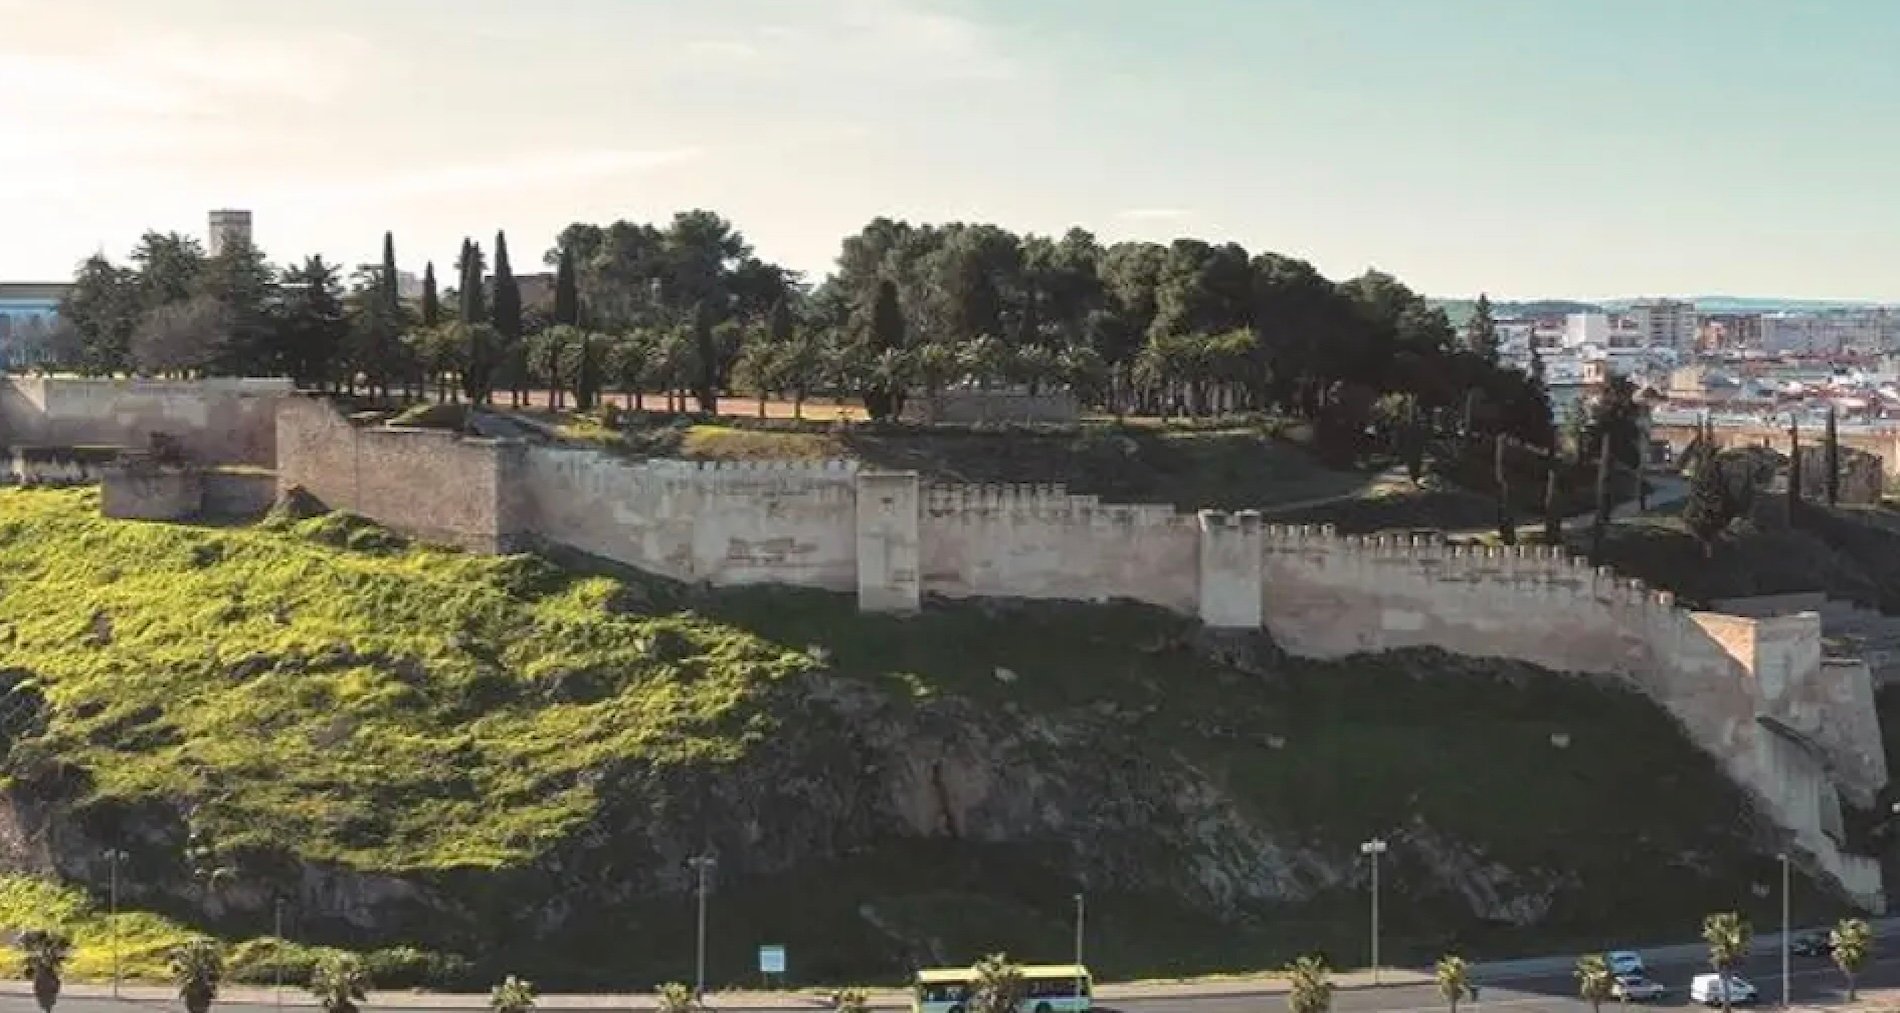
(217,421)
(1796,729)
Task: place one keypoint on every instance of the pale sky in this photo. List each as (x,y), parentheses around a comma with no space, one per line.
(1522,147)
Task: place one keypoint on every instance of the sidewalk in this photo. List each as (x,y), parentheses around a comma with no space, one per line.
(1239,986)
(299,998)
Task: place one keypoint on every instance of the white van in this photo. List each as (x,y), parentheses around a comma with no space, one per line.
(1707,989)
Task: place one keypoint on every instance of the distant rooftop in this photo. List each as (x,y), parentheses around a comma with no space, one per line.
(34,290)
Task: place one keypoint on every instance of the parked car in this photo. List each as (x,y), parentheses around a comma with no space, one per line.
(1625,963)
(1812,944)
(1636,988)
(1707,989)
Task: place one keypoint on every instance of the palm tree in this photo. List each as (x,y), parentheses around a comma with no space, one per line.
(1454,979)
(998,985)
(675,998)
(1727,935)
(339,983)
(1595,984)
(1852,942)
(46,951)
(1310,986)
(197,969)
(512,996)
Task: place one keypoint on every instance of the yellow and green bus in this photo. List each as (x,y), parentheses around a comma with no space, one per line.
(1047,988)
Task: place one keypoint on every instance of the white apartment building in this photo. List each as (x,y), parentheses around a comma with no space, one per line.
(1663,323)
(1867,331)
(1582,329)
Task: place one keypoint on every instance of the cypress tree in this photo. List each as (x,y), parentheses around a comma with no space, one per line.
(1507,525)
(431,303)
(887,334)
(1831,459)
(1794,466)
(474,305)
(1707,512)
(507,314)
(1601,523)
(392,293)
(708,392)
(567,295)
(507,306)
(1553,524)
(781,325)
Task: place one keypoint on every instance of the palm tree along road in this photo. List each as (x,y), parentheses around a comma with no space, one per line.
(1815,981)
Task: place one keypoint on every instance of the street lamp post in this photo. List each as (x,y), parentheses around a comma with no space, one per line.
(1784,929)
(277,966)
(1078,944)
(701,864)
(1373,849)
(113,858)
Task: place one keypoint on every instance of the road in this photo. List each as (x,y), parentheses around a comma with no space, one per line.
(1813,981)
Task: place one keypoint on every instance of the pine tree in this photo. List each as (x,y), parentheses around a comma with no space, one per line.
(1831,459)
(1481,331)
(567,297)
(431,303)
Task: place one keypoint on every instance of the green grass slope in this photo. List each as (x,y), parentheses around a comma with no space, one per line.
(505,760)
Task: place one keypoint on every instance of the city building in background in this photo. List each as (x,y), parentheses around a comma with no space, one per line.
(1662,323)
(28,313)
(228,229)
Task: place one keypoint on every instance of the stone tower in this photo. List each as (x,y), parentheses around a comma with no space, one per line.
(228,229)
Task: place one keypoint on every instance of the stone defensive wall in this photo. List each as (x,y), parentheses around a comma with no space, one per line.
(215,421)
(1795,728)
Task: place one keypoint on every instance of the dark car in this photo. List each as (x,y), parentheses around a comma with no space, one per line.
(1812,944)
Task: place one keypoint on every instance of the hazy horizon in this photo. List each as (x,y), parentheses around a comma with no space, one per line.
(1526,148)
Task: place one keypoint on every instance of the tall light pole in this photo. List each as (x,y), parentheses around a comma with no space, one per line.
(277,966)
(701,864)
(1373,849)
(1078,945)
(1784,929)
(113,858)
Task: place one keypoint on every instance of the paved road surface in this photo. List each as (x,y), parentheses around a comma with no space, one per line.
(1815,982)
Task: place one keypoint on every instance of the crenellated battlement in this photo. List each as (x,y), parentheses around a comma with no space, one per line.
(964,504)
(834,468)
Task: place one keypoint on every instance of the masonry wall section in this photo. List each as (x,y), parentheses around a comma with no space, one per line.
(721,523)
(223,421)
(1041,542)
(430,484)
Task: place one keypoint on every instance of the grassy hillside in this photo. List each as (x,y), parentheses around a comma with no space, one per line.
(504,760)
(1226,466)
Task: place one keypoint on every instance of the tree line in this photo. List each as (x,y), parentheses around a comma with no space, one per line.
(340,984)
(687,310)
